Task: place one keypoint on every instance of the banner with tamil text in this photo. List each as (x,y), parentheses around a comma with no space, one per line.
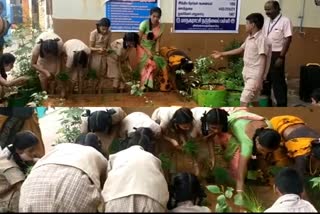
(207,16)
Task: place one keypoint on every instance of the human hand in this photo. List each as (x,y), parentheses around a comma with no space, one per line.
(176,144)
(211,163)
(278,63)
(216,54)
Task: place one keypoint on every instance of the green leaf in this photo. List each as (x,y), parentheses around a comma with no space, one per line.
(238,199)
(214,189)
(221,199)
(228,193)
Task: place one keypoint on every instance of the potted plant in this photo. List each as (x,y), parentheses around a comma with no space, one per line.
(234,82)
(210,91)
(25,37)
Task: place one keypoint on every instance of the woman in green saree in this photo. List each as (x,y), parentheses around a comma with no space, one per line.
(149,60)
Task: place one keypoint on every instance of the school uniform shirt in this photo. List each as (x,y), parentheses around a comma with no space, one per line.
(277,30)
(291,203)
(134,171)
(163,115)
(71,46)
(10,175)
(137,120)
(254,46)
(189,207)
(84,158)
(116,118)
(50,63)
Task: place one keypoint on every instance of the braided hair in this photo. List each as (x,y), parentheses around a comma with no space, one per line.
(23,140)
(49,46)
(142,137)
(215,116)
(185,187)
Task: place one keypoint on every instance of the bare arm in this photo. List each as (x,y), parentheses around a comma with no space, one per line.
(39,68)
(242,172)
(262,69)
(233,52)
(145,49)
(286,46)
(171,140)
(158,45)
(93,48)
(17,81)
(217,54)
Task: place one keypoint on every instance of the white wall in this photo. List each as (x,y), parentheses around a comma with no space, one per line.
(95,9)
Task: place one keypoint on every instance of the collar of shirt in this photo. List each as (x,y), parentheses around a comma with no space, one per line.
(288,199)
(272,21)
(255,35)
(185,204)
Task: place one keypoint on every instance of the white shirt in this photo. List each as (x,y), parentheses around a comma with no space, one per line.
(189,207)
(71,46)
(134,171)
(84,158)
(277,30)
(138,120)
(163,115)
(291,203)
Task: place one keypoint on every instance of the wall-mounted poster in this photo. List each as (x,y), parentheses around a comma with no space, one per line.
(207,16)
(126,15)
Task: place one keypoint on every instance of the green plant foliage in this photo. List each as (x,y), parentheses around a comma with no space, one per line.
(70,125)
(38,98)
(135,88)
(114,147)
(191,148)
(251,203)
(166,162)
(63,76)
(315,182)
(92,74)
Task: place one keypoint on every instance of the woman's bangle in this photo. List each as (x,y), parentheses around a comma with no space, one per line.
(239,190)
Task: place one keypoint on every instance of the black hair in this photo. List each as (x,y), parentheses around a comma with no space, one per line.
(49,46)
(104,22)
(6,59)
(23,140)
(268,138)
(142,137)
(275,5)
(186,65)
(130,37)
(100,121)
(150,35)
(288,181)
(257,19)
(315,148)
(215,116)
(89,139)
(185,187)
(181,116)
(80,58)
(316,94)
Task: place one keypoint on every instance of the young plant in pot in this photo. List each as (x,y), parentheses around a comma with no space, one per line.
(210,91)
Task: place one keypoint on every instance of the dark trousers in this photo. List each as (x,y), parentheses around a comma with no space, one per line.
(276,80)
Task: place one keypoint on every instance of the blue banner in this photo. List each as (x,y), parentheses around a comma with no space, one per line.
(207,16)
(126,15)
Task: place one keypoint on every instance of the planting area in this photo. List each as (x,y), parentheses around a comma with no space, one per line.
(260,191)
